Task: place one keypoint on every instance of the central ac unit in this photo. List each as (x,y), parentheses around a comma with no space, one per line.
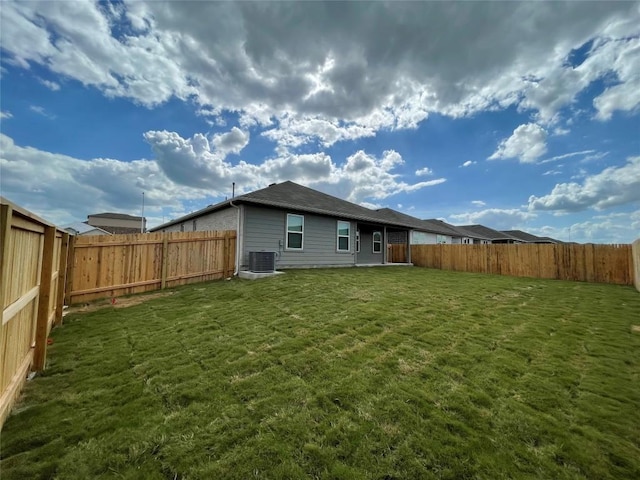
(262,262)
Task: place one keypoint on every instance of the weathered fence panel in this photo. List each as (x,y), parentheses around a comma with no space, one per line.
(635,254)
(585,263)
(116,265)
(31,294)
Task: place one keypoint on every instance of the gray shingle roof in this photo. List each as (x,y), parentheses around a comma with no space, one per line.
(528,237)
(118,216)
(290,195)
(489,233)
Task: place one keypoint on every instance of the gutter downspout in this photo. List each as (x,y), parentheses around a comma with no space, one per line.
(238,239)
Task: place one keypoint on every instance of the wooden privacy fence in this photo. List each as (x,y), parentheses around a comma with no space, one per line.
(111,266)
(33,257)
(585,263)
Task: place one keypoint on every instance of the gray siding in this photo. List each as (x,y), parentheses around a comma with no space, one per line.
(226,219)
(264,229)
(366,255)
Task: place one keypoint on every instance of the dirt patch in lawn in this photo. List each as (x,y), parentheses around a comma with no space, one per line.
(119,302)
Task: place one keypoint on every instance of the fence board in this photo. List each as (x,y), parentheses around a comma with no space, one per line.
(112,266)
(30,295)
(585,263)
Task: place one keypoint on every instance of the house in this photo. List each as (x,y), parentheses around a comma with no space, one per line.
(469,237)
(424,232)
(304,227)
(83,229)
(529,238)
(494,236)
(118,223)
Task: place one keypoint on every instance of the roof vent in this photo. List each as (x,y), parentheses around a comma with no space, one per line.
(262,262)
(272,184)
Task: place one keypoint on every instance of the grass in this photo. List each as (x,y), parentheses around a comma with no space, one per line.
(387,373)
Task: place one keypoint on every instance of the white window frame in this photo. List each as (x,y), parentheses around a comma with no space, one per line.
(374,242)
(357,241)
(301,233)
(347,236)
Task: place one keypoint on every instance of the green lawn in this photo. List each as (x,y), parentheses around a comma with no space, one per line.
(377,373)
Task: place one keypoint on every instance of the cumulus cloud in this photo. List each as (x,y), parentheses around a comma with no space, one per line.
(496,218)
(468,163)
(527,143)
(57,186)
(612,187)
(231,142)
(318,72)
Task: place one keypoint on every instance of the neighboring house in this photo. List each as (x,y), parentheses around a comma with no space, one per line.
(468,237)
(424,232)
(83,229)
(118,223)
(494,236)
(305,228)
(529,238)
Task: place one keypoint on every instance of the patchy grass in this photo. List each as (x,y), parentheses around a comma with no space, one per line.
(349,373)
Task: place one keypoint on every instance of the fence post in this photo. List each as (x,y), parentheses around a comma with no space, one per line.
(62,277)
(165,256)
(42,320)
(6,213)
(71,255)
(225,254)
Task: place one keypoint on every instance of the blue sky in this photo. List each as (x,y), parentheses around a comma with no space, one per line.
(522,115)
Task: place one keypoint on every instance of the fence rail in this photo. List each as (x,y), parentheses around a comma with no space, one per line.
(33,258)
(111,266)
(586,263)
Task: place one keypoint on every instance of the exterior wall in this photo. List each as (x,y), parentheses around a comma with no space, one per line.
(265,230)
(366,255)
(427,238)
(226,219)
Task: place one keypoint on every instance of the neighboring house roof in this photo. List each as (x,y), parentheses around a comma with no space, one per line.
(117,216)
(81,228)
(447,228)
(470,234)
(489,233)
(291,196)
(434,226)
(529,238)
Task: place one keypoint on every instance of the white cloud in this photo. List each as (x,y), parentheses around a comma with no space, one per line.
(231,142)
(567,155)
(468,163)
(478,203)
(49,84)
(553,172)
(611,228)
(317,72)
(424,172)
(496,218)
(612,187)
(527,143)
(41,111)
(6,115)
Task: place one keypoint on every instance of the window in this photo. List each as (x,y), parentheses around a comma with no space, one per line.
(195,225)
(358,241)
(344,236)
(182,227)
(377,242)
(441,239)
(295,231)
